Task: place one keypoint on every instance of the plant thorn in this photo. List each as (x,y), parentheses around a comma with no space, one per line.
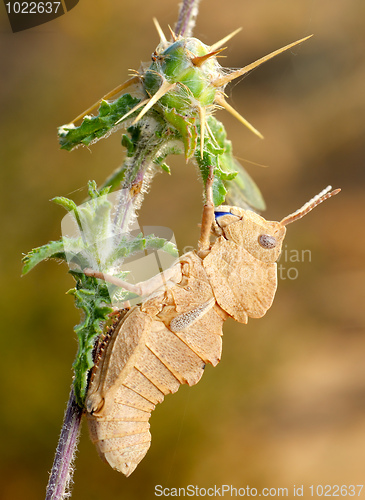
(173,34)
(199,60)
(228,78)
(159,31)
(219,99)
(110,94)
(221,42)
(165,87)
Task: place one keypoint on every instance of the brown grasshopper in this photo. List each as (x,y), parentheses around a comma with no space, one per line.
(168,339)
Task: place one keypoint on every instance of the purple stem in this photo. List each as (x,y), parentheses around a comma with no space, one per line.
(61,474)
(187,15)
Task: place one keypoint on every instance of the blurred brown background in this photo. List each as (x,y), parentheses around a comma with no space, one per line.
(286,405)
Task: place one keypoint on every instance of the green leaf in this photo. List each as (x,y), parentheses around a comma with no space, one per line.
(70,206)
(95,220)
(94,192)
(92,297)
(66,203)
(139,243)
(241,189)
(52,250)
(155,243)
(96,127)
(210,160)
(165,167)
(128,144)
(172,147)
(186,126)
(116,178)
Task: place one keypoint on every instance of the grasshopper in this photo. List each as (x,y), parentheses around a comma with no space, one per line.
(168,339)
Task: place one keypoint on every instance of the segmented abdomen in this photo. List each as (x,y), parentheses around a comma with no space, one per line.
(144,360)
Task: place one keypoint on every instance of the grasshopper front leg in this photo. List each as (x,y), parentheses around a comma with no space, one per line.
(143,288)
(207,217)
(173,274)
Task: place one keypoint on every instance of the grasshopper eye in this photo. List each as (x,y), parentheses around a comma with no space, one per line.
(267,241)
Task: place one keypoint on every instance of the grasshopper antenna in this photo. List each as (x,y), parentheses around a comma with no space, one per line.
(307,207)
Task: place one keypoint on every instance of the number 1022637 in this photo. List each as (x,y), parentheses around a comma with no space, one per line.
(33,7)
(336,490)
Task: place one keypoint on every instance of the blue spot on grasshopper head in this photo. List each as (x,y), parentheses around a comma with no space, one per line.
(219,214)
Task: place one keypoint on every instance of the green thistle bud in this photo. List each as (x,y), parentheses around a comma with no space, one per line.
(186,76)
(176,64)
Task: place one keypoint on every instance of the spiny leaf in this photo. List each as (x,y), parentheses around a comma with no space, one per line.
(94,128)
(52,250)
(92,297)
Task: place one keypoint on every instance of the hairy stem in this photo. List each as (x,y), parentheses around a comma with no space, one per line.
(187,16)
(62,470)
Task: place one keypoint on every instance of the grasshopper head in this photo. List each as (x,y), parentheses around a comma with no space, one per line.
(261,238)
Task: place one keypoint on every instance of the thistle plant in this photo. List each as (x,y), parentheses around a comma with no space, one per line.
(169,110)
(166,108)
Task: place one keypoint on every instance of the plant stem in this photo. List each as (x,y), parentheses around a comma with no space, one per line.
(187,16)
(62,470)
